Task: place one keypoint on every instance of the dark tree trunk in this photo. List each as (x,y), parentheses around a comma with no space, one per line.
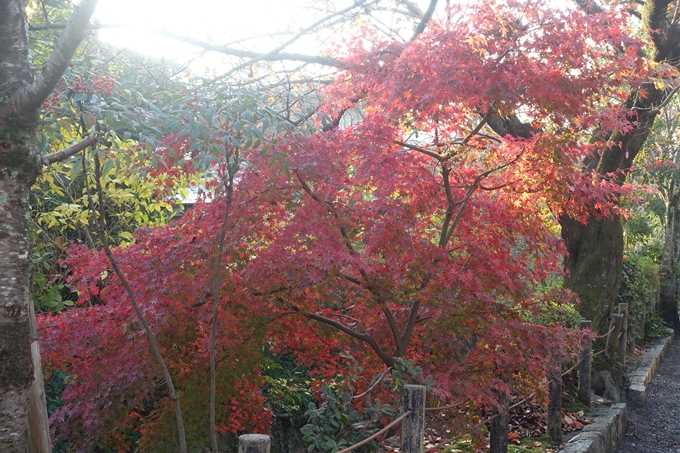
(594,258)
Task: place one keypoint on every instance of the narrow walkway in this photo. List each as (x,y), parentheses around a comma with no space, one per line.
(655,428)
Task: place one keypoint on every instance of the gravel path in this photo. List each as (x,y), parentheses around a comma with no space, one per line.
(655,428)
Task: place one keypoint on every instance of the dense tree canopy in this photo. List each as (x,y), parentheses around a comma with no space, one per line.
(417,233)
(401,216)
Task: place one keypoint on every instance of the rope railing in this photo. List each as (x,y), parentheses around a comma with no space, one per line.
(598,353)
(394,423)
(414,398)
(607,334)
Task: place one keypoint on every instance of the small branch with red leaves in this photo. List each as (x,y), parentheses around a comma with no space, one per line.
(387,360)
(346,240)
(447,230)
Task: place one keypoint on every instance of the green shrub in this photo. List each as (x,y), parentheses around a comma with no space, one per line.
(640,279)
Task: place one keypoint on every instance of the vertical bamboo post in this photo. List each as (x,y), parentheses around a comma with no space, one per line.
(613,337)
(498,430)
(584,368)
(623,336)
(254,443)
(413,426)
(38,421)
(554,416)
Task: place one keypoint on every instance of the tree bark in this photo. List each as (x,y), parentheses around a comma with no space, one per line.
(21,97)
(594,259)
(16,366)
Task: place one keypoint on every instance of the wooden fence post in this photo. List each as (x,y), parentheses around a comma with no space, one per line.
(254,443)
(498,430)
(622,348)
(584,368)
(554,415)
(615,325)
(413,426)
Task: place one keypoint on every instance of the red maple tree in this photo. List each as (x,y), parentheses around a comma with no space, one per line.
(415,233)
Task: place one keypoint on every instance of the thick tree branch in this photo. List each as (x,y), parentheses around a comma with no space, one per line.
(64,154)
(654,23)
(31,97)
(509,125)
(426,18)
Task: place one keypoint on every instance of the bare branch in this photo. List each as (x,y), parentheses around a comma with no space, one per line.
(64,154)
(325,61)
(272,53)
(419,149)
(224,49)
(31,97)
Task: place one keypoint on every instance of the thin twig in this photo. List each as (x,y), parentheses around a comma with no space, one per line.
(444,408)
(377,381)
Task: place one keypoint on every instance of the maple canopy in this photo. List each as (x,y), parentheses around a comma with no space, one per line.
(412,230)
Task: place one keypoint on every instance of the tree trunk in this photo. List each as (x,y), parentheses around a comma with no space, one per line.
(18,169)
(668,304)
(21,98)
(594,258)
(16,366)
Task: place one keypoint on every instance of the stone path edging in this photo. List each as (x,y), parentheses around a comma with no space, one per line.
(606,433)
(645,371)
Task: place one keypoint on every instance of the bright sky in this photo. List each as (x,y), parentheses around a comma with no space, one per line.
(217,21)
(220,22)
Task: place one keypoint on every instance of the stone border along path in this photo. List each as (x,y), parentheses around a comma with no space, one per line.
(610,426)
